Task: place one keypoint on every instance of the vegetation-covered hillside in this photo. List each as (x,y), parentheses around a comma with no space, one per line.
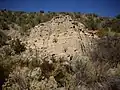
(62,51)
(27,20)
(23,19)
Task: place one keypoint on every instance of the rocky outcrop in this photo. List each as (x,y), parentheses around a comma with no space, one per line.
(61,35)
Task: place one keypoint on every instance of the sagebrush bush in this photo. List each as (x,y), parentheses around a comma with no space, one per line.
(3,38)
(107,50)
(17,46)
(102,33)
(95,75)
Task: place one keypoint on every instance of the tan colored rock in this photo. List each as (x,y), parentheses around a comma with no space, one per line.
(57,36)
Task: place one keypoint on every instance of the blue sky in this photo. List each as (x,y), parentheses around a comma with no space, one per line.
(100,7)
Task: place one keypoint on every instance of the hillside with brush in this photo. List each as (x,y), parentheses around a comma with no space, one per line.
(59,51)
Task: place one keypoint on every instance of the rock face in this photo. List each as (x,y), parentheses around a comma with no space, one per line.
(61,35)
